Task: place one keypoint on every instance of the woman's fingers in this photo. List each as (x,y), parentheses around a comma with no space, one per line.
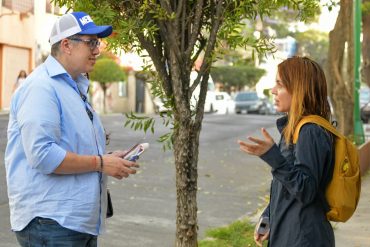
(255,140)
(258,146)
(267,135)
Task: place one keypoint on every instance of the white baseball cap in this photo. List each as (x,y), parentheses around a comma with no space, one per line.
(77,23)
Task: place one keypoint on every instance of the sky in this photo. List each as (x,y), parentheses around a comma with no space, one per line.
(327,19)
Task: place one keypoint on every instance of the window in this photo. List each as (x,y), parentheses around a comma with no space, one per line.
(23,6)
(122,89)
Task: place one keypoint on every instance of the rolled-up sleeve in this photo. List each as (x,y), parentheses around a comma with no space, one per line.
(40,128)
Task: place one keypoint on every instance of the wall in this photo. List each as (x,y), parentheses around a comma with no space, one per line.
(16,50)
(120,104)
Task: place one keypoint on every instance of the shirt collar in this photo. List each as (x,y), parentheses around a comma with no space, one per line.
(55,69)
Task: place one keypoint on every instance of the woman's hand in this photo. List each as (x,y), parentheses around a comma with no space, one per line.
(260,147)
(259,238)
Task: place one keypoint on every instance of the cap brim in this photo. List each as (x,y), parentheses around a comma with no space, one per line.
(100,31)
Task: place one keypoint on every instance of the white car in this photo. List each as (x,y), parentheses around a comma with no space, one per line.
(223,103)
(210,98)
(159,105)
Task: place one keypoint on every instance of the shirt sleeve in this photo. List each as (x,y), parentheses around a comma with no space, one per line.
(312,153)
(266,211)
(38,117)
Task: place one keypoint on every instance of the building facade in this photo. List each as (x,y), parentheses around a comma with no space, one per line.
(25,26)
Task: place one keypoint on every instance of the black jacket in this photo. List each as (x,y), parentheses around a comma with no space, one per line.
(300,173)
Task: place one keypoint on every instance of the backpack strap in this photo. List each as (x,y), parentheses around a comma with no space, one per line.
(313,119)
(325,124)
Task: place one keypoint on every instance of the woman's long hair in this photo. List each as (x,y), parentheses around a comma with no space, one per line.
(305,81)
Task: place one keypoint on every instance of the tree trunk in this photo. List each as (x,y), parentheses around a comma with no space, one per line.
(186,142)
(104,88)
(366,45)
(340,67)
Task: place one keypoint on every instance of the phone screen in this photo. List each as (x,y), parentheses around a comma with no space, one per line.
(130,150)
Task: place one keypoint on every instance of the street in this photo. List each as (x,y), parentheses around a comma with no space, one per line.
(231,184)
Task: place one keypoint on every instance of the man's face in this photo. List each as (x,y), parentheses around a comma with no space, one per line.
(83,53)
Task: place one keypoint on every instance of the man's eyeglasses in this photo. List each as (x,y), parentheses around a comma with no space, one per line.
(92,43)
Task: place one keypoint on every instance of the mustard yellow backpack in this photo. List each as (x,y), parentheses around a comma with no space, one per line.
(343,191)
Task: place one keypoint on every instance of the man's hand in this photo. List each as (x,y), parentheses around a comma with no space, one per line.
(115,166)
(260,147)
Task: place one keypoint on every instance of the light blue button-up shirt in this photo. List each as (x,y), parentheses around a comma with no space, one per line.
(47,119)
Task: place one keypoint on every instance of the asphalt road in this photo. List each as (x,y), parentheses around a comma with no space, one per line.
(231,184)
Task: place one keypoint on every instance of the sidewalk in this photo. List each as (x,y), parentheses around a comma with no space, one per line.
(356,231)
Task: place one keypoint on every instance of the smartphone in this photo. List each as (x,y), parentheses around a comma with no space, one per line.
(263,225)
(130,150)
(134,153)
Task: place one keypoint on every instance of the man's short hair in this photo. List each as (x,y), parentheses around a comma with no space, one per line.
(55,48)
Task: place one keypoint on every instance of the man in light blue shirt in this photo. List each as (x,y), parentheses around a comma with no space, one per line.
(55,160)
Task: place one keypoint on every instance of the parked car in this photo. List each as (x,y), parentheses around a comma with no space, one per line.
(365,113)
(249,102)
(210,98)
(269,107)
(159,105)
(223,104)
(364,94)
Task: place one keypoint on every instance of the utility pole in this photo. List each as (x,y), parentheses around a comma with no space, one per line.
(358,128)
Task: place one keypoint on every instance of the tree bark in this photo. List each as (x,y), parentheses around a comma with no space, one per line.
(186,143)
(366,45)
(104,88)
(340,67)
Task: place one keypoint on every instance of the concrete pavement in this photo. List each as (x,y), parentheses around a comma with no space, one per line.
(354,233)
(231,184)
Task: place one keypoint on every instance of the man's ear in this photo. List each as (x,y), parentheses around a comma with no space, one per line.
(65,46)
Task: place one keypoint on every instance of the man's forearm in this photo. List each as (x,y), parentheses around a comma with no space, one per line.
(74,163)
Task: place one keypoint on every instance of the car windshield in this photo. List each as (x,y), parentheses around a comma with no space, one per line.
(365,95)
(219,97)
(246,97)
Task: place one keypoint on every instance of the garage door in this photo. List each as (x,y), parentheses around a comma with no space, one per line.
(13,60)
